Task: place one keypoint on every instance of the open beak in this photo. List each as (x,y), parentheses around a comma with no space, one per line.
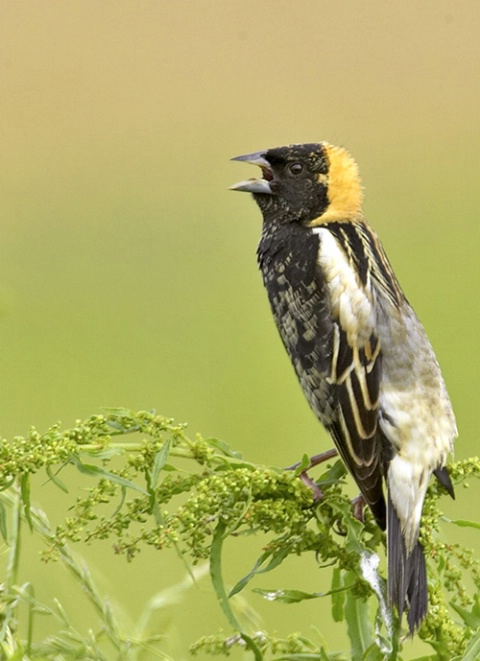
(255,186)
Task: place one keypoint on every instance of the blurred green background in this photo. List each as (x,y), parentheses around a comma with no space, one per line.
(129,275)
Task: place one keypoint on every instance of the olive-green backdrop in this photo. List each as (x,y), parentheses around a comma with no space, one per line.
(128,271)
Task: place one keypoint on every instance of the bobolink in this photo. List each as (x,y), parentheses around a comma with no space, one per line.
(360,353)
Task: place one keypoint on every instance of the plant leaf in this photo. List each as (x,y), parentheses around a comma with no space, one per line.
(3,521)
(338,596)
(120,504)
(357,619)
(160,461)
(464,523)
(53,477)
(103,454)
(471,618)
(25,491)
(98,471)
(373,653)
(303,465)
(277,556)
(224,447)
(219,587)
(332,475)
(290,596)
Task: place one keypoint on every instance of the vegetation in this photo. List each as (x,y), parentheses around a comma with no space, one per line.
(141,497)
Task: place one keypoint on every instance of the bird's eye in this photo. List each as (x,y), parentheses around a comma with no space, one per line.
(295,169)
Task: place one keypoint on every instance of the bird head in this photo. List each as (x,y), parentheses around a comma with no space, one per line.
(304,183)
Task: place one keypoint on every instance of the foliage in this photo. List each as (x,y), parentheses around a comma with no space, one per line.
(137,461)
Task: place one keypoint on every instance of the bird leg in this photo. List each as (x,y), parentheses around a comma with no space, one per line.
(314,461)
(308,482)
(358,504)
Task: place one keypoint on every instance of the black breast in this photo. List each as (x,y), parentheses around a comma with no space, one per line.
(287,255)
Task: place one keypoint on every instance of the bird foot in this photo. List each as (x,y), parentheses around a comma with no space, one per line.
(358,505)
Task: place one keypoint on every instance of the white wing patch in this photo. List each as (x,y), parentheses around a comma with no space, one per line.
(352,305)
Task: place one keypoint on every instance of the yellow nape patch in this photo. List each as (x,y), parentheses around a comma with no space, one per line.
(345,193)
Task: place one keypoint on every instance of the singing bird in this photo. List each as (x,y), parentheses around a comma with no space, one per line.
(361,355)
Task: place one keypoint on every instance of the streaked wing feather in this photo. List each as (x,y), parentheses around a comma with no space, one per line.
(356,365)
(355,431)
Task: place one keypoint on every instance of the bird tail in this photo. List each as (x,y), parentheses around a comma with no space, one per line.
(407,573)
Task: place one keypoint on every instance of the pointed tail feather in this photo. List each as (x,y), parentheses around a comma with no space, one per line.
(443,477)
(407,573)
